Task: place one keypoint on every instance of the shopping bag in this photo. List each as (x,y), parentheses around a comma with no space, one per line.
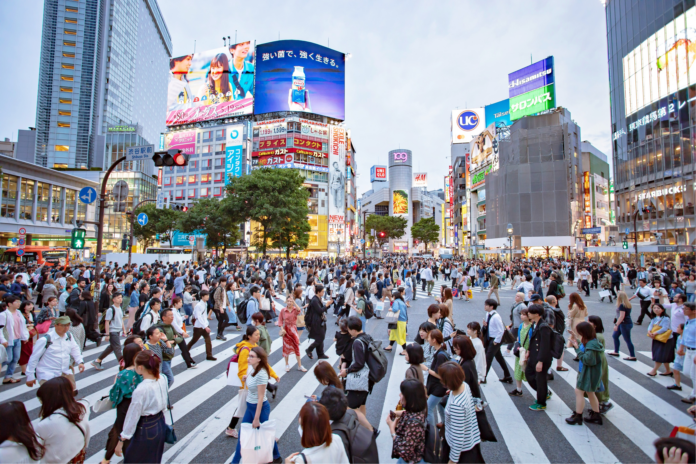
(232,375)
(470,293)
(379,307)
(103,405)
(241,404)
(455,292)
(604,293)
(256,445)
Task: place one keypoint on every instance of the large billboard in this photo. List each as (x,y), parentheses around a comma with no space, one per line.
(662,64)
(184,141)
(532,77)
(533,102)
(466,124)
(337,177)
(293,75)
(233,151)
(213,84)
(400,202)
(484,149)
(498,113)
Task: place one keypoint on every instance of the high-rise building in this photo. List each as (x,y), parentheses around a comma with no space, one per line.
(104,63)
(652,79)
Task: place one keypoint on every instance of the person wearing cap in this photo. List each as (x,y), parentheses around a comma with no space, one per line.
(52,354)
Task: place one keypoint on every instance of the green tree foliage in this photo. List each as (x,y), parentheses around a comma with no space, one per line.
(291,236)
(386,227)
(426,231)
(276,199)
(209,216)
(160,221)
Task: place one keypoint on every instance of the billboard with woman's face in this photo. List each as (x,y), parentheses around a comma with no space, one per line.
(293,75)
(213,84)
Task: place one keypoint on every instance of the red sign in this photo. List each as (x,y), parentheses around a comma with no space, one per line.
(159,177)
(272,160)
(311,144)
(276,143)
(336,219)
(380,173)
(283,151)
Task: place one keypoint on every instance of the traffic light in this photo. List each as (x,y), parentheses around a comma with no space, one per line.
(624,245)
(124,244)
(171,157)
(77,239)
(381,235)
(178,207)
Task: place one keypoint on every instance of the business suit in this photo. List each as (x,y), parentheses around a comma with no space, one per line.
(316,326)
(539,351)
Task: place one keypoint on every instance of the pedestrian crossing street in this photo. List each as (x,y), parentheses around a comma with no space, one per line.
(203,404)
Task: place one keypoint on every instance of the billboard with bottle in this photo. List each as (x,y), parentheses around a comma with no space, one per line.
(212,84)
(293,75)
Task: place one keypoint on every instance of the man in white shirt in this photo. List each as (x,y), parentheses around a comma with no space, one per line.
(644,294)
(427,275)
(52,354)
(113,325)
(201,327)
(493,337)
(584,277)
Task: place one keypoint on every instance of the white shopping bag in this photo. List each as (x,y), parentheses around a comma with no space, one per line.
(232,375)
(256,445)
(379,307)
(604,293)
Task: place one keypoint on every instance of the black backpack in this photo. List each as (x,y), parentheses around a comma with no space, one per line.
(433,450)
(376,359)
(557,345)
(369,309)
(362,443)
(136,326)
(241,311)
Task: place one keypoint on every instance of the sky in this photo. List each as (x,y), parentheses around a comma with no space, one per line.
(411,64)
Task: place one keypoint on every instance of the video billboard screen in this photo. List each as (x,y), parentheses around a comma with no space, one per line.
(498,113)
(532,77)
(293,75)
(213,84)
(662,64)
(466,124)
(536,101)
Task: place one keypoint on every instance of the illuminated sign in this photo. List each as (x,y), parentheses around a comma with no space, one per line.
(588,200)
(121,129)
(480,177)
(400,157)
(420,179)
(661,192)
(378,173)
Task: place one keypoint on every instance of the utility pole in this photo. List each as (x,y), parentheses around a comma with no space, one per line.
(100,225)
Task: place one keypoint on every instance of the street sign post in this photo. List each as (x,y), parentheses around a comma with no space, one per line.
(88,195)
(120,194)
(20,252)
(160,199)
(140,153)
(142,219)
(21,239)
(628,231)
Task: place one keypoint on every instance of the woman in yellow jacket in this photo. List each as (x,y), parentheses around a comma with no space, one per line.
(249,340)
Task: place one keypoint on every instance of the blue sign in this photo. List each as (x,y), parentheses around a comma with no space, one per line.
(592,230)
(183,240)
(628,231)
(22,242)
(233,152)
(20,252)
(498,113)
(292,75)
(88,195)
(142,219)
(468,120)
(532,77)
(140,153)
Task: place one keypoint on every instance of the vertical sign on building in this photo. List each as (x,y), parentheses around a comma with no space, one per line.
(233,152)
(588,200)
(337,182)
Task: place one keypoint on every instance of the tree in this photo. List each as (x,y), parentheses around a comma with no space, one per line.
(145,234)
(271,197)
(426,231)
(292,235)
(208,216)
(160,221)
(386,227)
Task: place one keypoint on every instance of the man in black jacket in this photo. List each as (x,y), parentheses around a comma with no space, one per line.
(539,356)
(316,323)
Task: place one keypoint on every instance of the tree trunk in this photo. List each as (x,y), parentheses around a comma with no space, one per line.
(426,247)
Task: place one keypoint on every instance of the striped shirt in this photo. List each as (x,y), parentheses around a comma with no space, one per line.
(461,426)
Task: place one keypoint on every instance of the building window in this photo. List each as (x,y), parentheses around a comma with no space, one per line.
(205,192)
(68,54)
(62,148)
(71,21)
(42,194)
(65,101)
(64,112)
(219,163)
(63,124)
(192,193)
(219,177)
(206,165)
(219,148)
(69,43)
(180,180)
(70,198)
(60,165)
(206,150)
(192,179)
(193,166)
(56,204)
(26,199)
(70,31)
(179,194)
(207,136)
(9,196)
(217,191)
(220,134)
(67,66)
(71,9)
(81,211)
(168,180)
(66,89)
(63,77)
(205,178)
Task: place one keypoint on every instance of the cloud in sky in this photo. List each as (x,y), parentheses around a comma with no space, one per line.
(412,62)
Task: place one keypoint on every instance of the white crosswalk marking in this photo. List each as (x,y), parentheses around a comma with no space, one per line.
(398,372)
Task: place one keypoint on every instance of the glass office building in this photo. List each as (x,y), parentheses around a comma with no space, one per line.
(652,71)
(103,63)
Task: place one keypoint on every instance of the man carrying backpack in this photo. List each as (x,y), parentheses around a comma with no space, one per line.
(52,354)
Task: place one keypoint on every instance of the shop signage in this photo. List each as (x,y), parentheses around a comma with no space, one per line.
(480,177)
(592,230)
(121,129)
(661,192)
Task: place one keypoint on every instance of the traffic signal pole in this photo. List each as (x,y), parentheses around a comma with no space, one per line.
(130,237)
(100,225)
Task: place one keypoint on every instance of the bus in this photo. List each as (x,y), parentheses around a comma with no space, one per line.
(168,251)
(42,255)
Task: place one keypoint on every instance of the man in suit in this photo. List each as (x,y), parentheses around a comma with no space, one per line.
(316,323)
(539,356)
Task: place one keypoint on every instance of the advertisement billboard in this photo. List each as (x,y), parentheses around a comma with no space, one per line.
(378,174)
(184,141)
(484,149)
(213,84)
(293,75)
(420,179)
(467,123)
(498,113)
(662,64)
(337,178)
(534,76)
(233,151)
(536,101)
(400,202)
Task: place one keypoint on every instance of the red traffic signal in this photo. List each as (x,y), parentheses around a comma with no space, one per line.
(184,209)
(381,234)
(171,157)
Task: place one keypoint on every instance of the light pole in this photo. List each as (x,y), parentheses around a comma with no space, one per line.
(510,231)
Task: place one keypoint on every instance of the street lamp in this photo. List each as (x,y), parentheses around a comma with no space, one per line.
(510,231)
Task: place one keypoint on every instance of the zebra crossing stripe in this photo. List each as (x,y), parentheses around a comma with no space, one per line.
(391,397)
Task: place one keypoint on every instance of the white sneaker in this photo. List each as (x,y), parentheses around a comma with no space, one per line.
(287,368)
(507,353)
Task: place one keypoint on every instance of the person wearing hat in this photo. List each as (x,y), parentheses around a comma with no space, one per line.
(52,353)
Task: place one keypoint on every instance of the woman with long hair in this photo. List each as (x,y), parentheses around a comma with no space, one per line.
(406,425)
(288,330)
(258,410)
(217,85)
(603,397)
(434,384)
(121,394)
(319,444)
(622,326)
(589,379)
(19,443)
(398,334)
(26,310)
(662,352)
(473,330)
(64,424)
(144,425)
(577,312)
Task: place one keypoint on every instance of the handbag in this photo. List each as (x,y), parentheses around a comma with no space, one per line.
(265,304)
(663,337)
(103,405)
(242,405)
(507,338)
(43,327)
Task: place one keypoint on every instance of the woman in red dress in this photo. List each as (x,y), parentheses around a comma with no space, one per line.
(27,310)
(288,330)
